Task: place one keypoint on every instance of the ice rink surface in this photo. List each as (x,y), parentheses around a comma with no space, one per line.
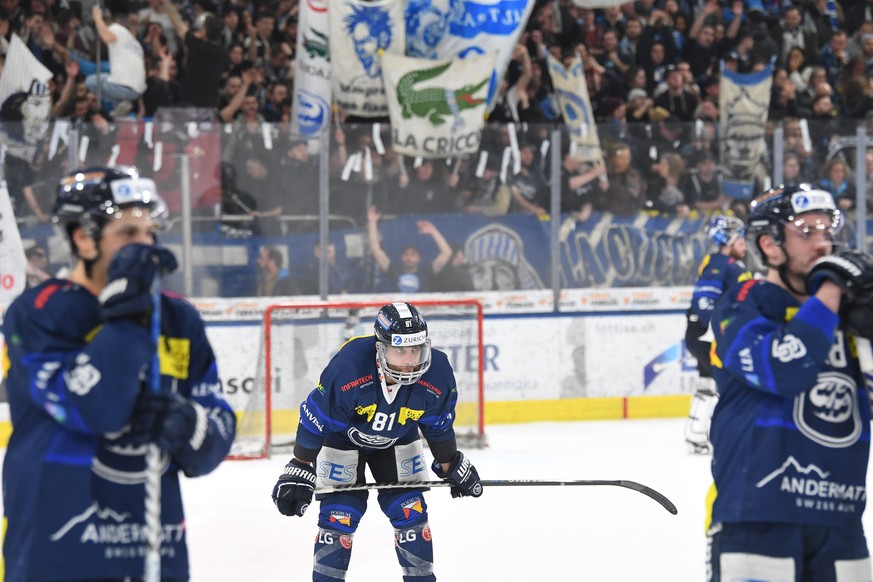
(510,534)
(542,534)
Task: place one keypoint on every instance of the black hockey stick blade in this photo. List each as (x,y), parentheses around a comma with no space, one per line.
(647,491)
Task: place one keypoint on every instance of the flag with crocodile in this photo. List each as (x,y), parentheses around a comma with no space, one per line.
(437,108)
(310,110)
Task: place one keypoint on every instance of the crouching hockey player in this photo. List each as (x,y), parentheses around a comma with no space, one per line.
(372,399)
(791,430)
(718,272)
(78,352)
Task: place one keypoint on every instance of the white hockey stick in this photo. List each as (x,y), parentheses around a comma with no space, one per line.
(865,359)
(647,491)
(153,455)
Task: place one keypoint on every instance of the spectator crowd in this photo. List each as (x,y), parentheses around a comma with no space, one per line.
(652,69)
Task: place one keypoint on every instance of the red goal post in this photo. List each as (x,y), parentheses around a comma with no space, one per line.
(298,339)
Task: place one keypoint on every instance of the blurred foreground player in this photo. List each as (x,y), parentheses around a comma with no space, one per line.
(78,352)
(791,430)
(718,272)
(373,398)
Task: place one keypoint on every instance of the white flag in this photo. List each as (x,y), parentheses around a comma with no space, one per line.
(13,264)
(437,107)
(20,70)
(361,33)
(453,29)
(572,91)
(310,110)
(744,100)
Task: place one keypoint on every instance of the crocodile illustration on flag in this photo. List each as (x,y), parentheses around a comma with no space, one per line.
(437,108)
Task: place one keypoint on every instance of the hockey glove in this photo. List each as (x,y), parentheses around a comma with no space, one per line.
(127,293)
(851,270)
(858,314)
(292,494)
(461,474)
(167,419)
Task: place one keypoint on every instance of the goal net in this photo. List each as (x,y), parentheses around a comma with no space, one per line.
(298,340)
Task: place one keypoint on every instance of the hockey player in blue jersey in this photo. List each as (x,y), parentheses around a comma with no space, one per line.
(78,351)
(791,430)
(373,398)
(717,273)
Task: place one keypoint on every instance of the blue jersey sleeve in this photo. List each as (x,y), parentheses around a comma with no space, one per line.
(87,380)
(204,390)
(780,355)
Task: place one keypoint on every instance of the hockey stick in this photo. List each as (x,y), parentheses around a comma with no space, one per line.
(153,454)
(648,491)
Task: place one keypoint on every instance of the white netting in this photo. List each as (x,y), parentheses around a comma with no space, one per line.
(297,341)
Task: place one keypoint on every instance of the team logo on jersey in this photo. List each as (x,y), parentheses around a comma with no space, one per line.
(370,441)
(83,377)
(788,348)
(828,413)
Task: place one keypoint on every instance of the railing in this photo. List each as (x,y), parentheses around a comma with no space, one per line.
(501,223)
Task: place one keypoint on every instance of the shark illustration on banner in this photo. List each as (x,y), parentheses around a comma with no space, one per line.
(311,108)
(743,101)
(571,88)
(437,108)
(452,29)
(361,34)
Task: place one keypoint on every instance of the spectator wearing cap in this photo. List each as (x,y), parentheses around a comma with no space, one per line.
(639,106)
(205,60)
(678,100)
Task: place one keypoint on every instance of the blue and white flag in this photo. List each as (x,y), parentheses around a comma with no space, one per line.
(744,100)
(437,107)
(452,29)
(311,108)
(360,33)
(571,88)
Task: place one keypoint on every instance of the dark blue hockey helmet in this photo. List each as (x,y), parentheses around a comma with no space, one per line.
(92,196)
(402,342)
(770,212)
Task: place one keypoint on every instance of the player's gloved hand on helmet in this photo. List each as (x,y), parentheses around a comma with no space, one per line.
(851,270)
(461,474)
(169,420)
(292,493)
(132,271)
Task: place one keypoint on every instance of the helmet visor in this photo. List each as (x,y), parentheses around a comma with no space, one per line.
(404,364)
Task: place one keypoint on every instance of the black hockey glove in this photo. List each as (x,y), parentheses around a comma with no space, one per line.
(461,474)
(858,314)
(170,421)
(127,293)
(292,494)
(850,269)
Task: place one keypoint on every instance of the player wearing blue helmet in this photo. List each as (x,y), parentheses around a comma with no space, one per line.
(791,430)
(77,351)
(718,272)
(374,397)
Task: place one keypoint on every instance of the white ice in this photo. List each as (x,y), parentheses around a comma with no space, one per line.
(510,534)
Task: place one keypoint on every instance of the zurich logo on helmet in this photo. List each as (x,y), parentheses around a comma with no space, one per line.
(396,340)
(801,202)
